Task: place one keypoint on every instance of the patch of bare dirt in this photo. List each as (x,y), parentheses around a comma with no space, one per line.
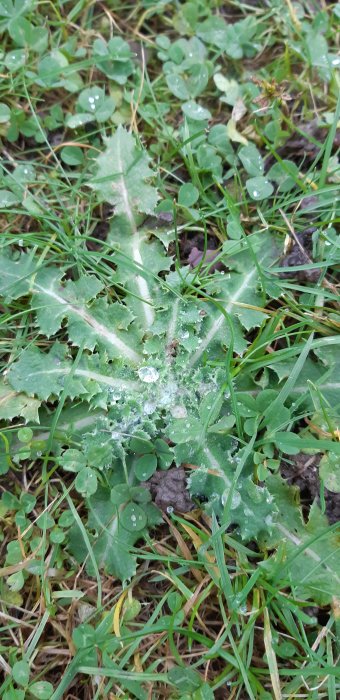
(169,490)
(193,251)
(303,471)
(300,253)
(101,229)
(303,147)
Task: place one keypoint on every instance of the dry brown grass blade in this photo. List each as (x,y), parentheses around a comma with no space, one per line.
(184,548)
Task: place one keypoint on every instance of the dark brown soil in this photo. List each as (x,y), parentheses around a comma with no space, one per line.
(300,253)
(101,229)
(169,490)
(300,148)
(303,471)
(192,250)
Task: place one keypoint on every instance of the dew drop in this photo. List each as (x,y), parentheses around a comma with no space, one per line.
(149,407)
(113,395)
(148,374)
(178,411)
(236,500)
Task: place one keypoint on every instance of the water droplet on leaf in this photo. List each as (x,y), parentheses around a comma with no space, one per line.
(148,374)
(178,411)
(149,407)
